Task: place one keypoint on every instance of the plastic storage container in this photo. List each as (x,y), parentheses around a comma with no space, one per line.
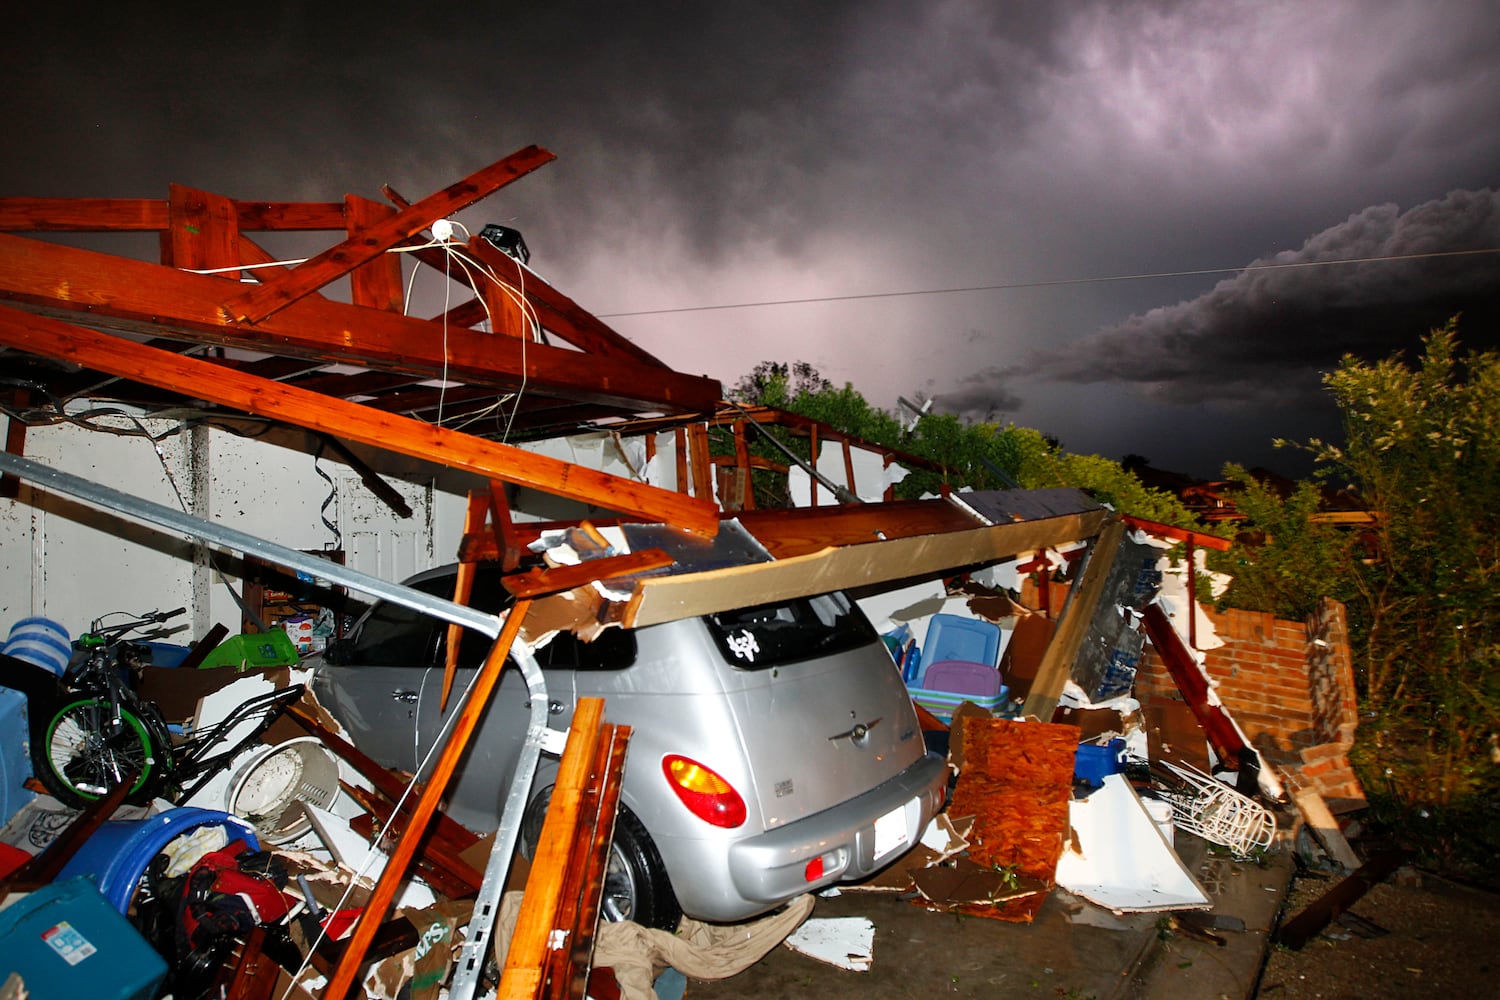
(15,754)
(65,940)
(1094,761)
(954,637)
(947,684)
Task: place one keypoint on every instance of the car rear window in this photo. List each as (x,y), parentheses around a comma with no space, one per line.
(770,635)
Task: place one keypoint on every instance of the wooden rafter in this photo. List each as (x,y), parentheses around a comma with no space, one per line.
(258,303)
(137,297)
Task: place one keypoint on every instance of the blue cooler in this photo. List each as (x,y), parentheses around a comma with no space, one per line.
(66,941)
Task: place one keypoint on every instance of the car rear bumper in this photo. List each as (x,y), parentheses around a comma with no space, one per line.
(767,870)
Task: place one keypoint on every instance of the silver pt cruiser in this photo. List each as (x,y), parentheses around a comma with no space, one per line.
(775,750)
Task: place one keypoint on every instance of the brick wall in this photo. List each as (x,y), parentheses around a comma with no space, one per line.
(1290,687)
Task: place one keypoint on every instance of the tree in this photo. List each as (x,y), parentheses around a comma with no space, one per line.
(1422,448)
(1295,560)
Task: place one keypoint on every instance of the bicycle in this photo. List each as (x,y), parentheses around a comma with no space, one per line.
(100,732)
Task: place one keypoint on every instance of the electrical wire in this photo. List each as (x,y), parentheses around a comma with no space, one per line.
(1009,286)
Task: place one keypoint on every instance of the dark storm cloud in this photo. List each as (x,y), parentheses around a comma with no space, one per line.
(1264,335)
(738,152)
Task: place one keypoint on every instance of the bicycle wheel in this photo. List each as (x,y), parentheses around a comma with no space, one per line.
(81,759)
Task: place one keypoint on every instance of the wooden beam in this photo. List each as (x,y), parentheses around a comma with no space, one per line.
(78,215)
(1306,925)
(15,443)
(568,970)
(687,595)
(463,588)
(376,283)
(453,750)
(1062,651)
(132,296)
(353,422)
(742,462)
(317,271)
(204,230)
(698,459)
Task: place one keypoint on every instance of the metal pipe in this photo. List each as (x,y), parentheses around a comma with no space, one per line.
(55,481)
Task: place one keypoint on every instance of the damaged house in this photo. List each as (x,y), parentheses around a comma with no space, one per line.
(271,445)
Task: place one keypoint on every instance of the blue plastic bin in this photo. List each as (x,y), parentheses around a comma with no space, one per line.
(119,851)
(954,637)
(1094,762)
(15,754)
(65,940)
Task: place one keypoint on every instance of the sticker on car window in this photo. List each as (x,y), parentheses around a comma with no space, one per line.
(743,645)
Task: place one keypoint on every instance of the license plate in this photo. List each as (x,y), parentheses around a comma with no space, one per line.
(890,831)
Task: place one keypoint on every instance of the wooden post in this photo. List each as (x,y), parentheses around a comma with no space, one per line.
(463,586)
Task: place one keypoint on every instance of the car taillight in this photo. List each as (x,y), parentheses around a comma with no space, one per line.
(707,796)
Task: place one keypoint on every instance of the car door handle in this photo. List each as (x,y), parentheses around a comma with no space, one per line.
(402,694)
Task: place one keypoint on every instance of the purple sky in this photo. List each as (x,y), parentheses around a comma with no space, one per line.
(713,154)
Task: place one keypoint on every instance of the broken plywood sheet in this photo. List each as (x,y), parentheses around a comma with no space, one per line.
(1118,857)
(1016,783)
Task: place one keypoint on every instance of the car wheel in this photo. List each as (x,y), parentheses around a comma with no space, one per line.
(636,886)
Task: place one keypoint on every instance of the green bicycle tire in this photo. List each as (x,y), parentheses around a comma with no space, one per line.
(77,762)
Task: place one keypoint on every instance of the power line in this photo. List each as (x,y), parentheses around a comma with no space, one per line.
(1046,284)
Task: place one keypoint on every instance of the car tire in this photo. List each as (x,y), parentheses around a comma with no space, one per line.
(636,886)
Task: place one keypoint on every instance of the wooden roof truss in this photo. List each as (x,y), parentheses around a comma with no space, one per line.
(218,323)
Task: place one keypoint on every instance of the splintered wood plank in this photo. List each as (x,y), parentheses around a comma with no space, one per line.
(132,296)
(260,302)
(376,283)
(352,421)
